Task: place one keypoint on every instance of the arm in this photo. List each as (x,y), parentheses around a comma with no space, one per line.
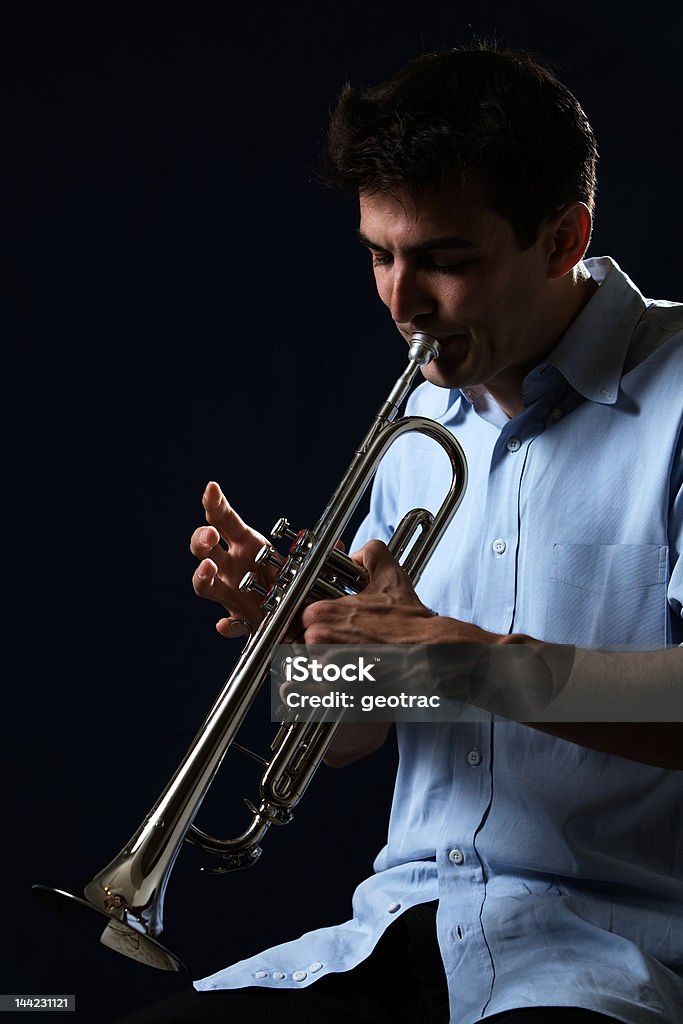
(635,700)
(606,701)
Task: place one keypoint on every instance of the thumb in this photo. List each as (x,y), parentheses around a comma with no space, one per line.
(375,558)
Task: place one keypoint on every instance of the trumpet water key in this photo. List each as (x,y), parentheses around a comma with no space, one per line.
(127,896)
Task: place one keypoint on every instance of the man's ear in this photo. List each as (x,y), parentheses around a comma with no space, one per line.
(568,233)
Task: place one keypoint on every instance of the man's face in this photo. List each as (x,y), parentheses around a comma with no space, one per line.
(452,268)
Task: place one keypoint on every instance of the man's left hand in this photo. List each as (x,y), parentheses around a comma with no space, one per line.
(388,611)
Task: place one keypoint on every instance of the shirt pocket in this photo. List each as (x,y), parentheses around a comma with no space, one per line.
(608,594)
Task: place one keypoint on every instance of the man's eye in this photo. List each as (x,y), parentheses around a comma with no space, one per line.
(380,259)
(449,268)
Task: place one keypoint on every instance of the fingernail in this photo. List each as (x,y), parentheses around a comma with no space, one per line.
(206,536)
(204,570)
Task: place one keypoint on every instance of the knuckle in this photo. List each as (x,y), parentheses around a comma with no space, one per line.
(315,613)
(202,540)
(315,635)
(202,585)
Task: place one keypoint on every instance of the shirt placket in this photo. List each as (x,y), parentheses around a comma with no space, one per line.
(462,880)
(497,570)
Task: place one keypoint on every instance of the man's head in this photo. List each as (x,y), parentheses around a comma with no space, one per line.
(475,172)
(500,118)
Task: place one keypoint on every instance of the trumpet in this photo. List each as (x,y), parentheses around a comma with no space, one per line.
(128,894)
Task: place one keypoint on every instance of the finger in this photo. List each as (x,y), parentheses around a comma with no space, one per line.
(206,543)
(374,556)
(203,541)
(232,627)
(320,612)
(208,583)
(221,514)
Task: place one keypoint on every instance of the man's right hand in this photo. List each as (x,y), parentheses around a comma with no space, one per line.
(226,549)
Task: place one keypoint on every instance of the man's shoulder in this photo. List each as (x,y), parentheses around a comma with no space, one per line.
(656,324)
(658,336)
(666,315)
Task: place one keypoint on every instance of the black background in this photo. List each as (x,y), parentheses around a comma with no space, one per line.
(181,301)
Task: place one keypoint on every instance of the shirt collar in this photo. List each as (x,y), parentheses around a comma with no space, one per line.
(592,352)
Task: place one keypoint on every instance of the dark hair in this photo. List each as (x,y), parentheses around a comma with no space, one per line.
(499,117)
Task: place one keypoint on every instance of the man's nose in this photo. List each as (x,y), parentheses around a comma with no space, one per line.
(408,297)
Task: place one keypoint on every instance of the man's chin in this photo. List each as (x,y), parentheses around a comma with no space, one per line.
(450,370)
(444,375)
(436,378)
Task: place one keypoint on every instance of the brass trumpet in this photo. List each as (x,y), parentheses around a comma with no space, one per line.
(128,894)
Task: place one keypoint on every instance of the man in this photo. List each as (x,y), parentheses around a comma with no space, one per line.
(532,871)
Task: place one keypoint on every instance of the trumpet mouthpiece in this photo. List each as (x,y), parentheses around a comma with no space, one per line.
(423,348)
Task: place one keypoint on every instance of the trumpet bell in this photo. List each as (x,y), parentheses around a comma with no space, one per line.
(113,933)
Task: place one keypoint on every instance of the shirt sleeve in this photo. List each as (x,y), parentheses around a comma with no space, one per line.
(380,522)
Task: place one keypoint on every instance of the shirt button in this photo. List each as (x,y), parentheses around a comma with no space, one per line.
(456,856)
(393,907)
(261,974)
(499,546)
(557,414)
(315,967)
(278,975)
(474,758)
(299,976)
(514,444)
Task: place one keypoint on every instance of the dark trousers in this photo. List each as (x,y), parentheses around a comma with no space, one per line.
(402,982)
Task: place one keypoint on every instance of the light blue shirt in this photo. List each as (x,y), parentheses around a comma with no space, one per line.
(558,870)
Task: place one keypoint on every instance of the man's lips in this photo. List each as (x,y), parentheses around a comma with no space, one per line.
(442,338)
(453,343)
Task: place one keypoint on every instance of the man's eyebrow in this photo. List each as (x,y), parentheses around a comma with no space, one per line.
(442,242)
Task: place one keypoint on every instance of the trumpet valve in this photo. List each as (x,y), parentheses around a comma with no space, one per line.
(283,528)
(250,582)
(268,556)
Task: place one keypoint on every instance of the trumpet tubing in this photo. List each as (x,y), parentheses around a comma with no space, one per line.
(129,892)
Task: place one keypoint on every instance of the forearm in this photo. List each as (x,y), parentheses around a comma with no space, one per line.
(629,704)
(615,702)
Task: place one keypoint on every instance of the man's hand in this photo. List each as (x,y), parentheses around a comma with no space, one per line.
(226,549)
(388,611)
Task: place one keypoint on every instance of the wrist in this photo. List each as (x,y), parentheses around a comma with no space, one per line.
(517,638)
(441,629)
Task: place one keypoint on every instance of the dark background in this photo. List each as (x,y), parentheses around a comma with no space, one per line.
(181,301)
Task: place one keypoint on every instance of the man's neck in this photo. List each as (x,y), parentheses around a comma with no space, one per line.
(577,292)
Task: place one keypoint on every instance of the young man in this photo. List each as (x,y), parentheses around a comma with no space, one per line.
(532,872)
